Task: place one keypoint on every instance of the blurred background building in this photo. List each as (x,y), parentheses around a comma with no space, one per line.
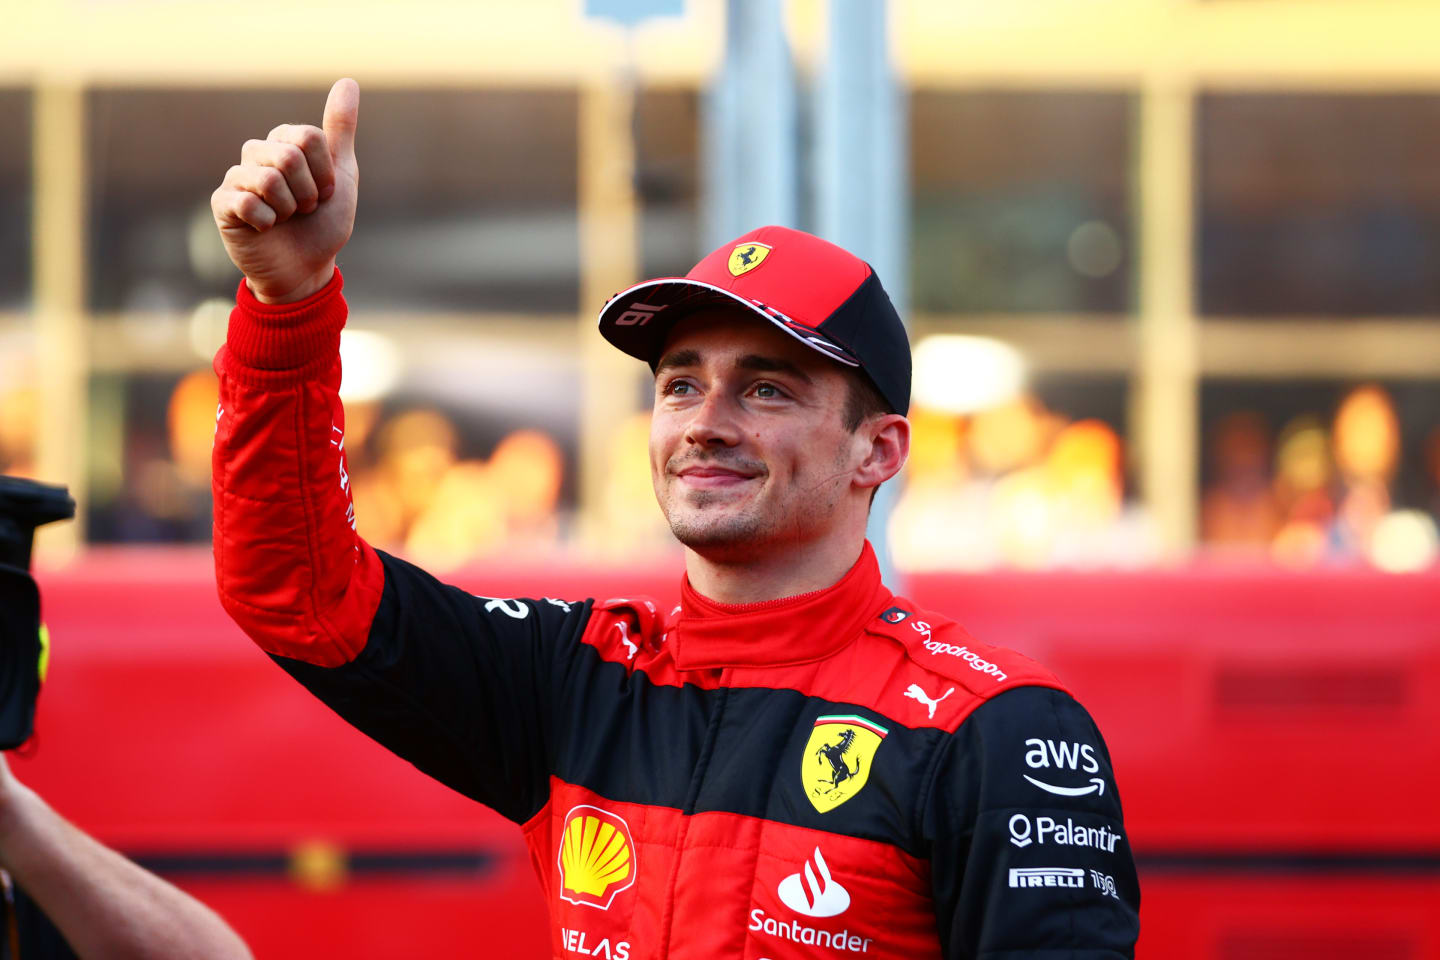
(1189,247)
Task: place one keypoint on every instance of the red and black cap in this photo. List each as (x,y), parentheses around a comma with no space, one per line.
(819,293)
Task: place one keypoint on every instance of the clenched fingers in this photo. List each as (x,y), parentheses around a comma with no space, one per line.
(311,141)
(240,208)
(264,183)
(288,161)
(269,184)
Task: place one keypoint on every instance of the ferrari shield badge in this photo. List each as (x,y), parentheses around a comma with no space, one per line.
(746,257)
(837,759)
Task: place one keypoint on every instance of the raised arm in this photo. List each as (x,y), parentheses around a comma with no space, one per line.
(458,685)
(288,563)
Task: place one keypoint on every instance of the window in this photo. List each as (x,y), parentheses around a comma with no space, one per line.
(1020,202)
(1316,204)
(667,179)
(468,196)
(15,200)
(17,376)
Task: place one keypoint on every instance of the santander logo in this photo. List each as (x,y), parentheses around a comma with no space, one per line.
(816,894)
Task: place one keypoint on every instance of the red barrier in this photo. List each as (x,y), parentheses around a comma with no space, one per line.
(1249,711)
(1275,739)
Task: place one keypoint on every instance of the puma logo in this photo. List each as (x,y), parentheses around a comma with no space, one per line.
(916,693)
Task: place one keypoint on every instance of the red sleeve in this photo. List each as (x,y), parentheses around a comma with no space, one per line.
(290,568)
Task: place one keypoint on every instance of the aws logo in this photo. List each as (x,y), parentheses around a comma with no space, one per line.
(1063,755)
(746,257)
(597,857)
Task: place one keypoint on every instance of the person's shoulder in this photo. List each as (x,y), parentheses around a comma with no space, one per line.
(946,658)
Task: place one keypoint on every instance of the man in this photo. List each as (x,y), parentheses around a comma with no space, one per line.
(793,762)
(104,905)
(63,894)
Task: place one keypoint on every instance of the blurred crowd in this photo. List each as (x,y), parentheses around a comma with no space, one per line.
(1320,492)
(1023,486)
(415,493)
(1019,485)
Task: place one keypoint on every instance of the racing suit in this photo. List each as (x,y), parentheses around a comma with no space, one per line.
(837,774)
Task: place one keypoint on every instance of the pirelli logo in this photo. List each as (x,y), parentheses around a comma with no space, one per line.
(1047,877)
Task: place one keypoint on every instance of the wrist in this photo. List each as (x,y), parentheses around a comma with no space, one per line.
(308,287)
(297,338)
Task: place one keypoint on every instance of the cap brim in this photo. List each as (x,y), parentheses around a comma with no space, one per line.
(638,320)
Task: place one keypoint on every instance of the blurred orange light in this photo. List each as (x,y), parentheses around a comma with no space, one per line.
(191,420)
(1007,437)
(1367,435)
(1302,458)
(527,468)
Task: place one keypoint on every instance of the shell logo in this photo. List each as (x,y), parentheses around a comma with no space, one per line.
(597,857)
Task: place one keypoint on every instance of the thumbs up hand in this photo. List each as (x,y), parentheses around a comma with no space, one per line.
(288,207)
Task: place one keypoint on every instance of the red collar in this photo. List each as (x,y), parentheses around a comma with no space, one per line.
(799,629)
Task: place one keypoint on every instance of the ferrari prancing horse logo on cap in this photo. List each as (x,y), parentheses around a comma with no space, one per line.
(746,257)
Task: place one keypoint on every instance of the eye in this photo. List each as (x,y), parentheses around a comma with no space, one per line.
(768,391)
(678,388)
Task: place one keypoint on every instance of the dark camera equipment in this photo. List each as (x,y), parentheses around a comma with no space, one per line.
(24,505)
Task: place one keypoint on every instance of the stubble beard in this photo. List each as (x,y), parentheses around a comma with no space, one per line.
(740,536)
(707,534)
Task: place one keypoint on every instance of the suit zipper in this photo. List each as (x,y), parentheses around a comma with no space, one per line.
(707,749)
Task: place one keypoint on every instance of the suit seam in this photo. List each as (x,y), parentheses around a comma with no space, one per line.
(559,681)
(259,500)
(312,530)
(923,796)
(306,507)
(1070,896)
(754,873)
(237,601)
(217,544)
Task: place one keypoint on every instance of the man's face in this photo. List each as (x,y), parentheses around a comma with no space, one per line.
(748,449)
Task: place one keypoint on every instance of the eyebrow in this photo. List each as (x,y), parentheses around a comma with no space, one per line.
(751,361)
(680,358)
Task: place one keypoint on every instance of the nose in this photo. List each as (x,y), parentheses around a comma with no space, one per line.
(713,423)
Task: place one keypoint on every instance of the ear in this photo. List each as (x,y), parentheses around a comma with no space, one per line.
(888,439)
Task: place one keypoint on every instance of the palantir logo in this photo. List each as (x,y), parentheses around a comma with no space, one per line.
(816,894)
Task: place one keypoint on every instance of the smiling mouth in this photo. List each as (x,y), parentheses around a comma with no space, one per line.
(713,477)
(715,473)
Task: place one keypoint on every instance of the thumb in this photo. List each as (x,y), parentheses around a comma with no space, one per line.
(342,114)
